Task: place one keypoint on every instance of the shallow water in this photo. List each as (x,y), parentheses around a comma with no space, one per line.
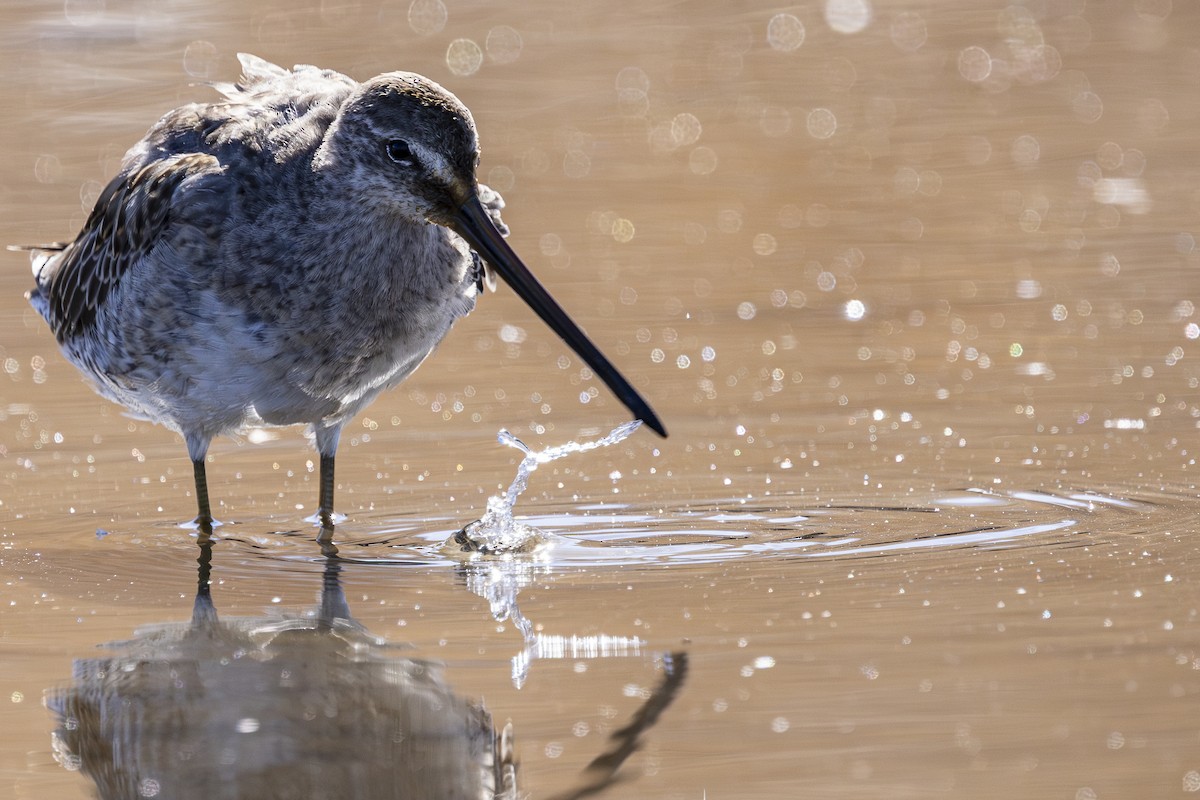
(913,292)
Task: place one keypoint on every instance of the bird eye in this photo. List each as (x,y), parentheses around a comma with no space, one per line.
(399,151)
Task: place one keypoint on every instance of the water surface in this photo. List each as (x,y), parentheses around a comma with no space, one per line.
(911,284)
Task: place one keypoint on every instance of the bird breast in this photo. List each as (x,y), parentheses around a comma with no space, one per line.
(382,306)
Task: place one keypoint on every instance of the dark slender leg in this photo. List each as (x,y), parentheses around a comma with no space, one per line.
(204,519)
(327,441)
(325,510)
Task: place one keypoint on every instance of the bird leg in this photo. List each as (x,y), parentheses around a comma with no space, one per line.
(204,519)
(325,507)
(327,441)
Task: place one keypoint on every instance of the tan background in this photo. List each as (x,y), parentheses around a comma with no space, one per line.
(942,550)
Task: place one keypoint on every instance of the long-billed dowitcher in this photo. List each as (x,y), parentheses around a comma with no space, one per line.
(268,259)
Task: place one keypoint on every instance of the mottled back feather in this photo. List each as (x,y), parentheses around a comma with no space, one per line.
(126,223)
(269,113)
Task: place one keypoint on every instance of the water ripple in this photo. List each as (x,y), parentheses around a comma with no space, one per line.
(729,529)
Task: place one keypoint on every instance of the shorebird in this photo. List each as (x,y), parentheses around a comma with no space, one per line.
(283,255)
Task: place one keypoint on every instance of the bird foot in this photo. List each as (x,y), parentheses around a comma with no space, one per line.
(326,519)
(201,524)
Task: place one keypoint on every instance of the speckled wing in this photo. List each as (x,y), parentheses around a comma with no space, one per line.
(129,218)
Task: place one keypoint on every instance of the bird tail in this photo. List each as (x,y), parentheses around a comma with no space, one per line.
(54,247)
(39,256)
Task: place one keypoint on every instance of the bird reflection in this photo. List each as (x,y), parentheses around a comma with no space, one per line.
(311,704)
(295,705)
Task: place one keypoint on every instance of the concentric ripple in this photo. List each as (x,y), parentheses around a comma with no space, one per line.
(726,529)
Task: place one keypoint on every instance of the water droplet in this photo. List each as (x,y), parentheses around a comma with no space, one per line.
(246,725)
(847,16)
(785,32)
(764,244)
(47,168)
(908,31)
(821,123)
(464,57)
(685,129)
(729,220)
(82,13)
(200,59)
(906,181)
(1026,150)
(702,160)
(633,78)
(974,64)
(1109,265)
(511,334)
(1153,10)
(1029,289)
(427,17)
(503,44)
(501,178)
(622,230)
(576,164)
(694,233)
(1029,220)
(1128,193)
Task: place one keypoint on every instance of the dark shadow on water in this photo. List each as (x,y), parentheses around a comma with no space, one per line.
(301,703)
(292,705)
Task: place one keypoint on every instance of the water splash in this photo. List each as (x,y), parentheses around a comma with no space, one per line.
(500,580)
(497,531)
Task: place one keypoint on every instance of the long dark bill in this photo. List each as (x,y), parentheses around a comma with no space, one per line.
(473,224)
